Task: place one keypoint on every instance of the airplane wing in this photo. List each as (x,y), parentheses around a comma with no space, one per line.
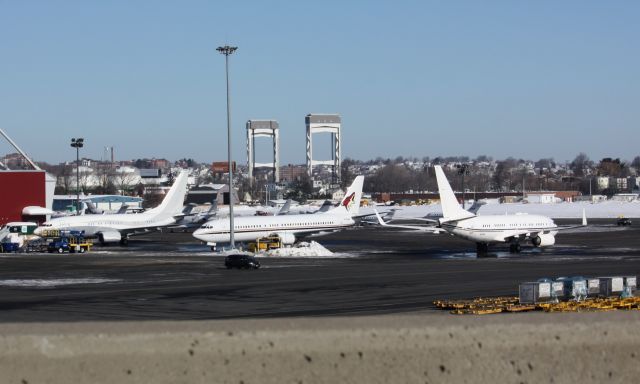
(413,227)
(525,234)
(418,219)
(583,224)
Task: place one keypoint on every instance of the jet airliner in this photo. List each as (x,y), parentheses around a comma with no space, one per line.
(288,227)
(515,230)
(118,227)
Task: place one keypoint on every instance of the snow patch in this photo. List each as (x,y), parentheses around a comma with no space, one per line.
(302,249)
(48,283)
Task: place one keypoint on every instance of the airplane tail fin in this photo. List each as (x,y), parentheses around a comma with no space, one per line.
(173,202)
(351,201)
(92,208)
(476,206)
(326,206)
(285,209)
(123,209)
(451,209)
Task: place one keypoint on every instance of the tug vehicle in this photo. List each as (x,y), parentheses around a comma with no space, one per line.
(265,244)
(67,241)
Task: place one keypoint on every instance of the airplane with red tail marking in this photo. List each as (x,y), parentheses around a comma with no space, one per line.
(288,227)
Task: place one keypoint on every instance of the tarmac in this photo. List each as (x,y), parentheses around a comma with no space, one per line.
(165,310)
(170,276)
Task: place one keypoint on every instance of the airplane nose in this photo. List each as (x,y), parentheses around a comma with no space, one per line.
(198,234)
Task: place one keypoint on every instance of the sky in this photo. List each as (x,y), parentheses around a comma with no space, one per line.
(528,79)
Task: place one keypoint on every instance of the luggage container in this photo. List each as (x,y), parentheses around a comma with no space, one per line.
(557,290)
(593,287)
(631,283)
(629,286)
(535,292)
(611,286)
(574,288)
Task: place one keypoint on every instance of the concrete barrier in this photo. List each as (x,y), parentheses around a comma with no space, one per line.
(430,348)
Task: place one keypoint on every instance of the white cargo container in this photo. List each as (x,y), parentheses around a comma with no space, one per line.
(557,290)
(630,286)
(611,286)
(534,292)
(593,287)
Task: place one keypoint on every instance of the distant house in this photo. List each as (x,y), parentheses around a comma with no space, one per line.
(592,198)
(621,183)
(602,182)
(625,197)
(208,193)
(541,198)
(337,195)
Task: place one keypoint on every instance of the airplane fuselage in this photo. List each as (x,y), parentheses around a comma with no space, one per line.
(287,226)
(499,228)
(94,224)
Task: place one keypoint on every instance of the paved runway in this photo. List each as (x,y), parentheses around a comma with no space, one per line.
(172,277)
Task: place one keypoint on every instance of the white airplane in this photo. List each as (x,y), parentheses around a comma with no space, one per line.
(118,227)
(287,227)
(490,229)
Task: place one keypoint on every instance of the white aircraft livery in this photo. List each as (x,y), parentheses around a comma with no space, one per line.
(118,227)
(287,227)
(490,229)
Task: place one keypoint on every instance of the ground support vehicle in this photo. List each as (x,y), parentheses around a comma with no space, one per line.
(67,241)
(265,244)
(9,247)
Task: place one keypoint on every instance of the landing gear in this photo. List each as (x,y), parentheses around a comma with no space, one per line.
(515,248)
(124,241)
(482,249)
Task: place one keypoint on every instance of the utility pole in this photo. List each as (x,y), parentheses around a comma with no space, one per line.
(77,143)
(226,51)
(463,169)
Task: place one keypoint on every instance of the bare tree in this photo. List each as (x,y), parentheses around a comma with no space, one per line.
(580,164)
(124,181)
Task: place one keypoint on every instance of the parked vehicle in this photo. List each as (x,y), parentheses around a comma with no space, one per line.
(241,261)
(69,241)
(265,244)
(9,247)
(624,221)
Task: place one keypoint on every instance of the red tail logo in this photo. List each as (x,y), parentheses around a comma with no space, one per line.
(348,201)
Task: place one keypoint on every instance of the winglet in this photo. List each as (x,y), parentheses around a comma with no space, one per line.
(584,217)
(380,221)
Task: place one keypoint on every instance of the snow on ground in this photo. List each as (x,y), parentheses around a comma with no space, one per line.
(50,283)
(603,210)
(303,249)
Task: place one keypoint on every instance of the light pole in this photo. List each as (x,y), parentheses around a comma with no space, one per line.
(463,169)
(226,51)
(77,143)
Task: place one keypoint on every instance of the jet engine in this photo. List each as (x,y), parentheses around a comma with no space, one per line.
(287,238)
(109,237)
(543,240)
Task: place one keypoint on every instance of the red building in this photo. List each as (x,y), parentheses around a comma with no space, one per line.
(20,189)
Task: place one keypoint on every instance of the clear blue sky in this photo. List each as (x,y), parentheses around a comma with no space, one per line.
(414,78)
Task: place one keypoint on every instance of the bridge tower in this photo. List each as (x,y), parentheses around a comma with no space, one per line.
(263,128)
(320,123)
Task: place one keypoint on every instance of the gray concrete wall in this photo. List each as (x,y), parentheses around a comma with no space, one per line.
(429,348)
